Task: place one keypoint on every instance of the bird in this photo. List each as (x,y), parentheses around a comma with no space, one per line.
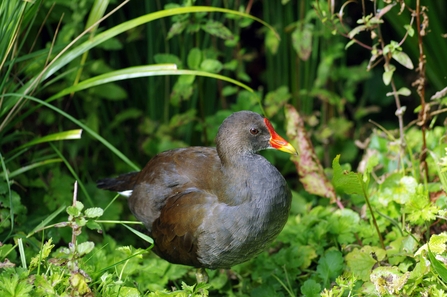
(212,207)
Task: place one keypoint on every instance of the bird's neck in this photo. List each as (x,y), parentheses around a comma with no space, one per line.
(250,178)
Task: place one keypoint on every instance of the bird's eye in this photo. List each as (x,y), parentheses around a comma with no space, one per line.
(254,131)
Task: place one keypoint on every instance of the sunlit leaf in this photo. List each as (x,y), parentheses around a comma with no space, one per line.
(403,59)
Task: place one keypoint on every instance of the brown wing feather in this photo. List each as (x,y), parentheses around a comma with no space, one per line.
(168,201)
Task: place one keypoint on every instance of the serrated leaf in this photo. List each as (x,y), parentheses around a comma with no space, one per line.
(310,288)
(194,58)
(330,266)
(93,212)
(209,65)
(346,181)
(360,262)
(217,29)
(403,59)
(85,247)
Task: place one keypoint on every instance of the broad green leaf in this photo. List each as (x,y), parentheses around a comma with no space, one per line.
(93,226)
(403,59)
(85,247)
(310,288)
(346,181)
(361,262)
(213,66)
(330,266)
(194,58)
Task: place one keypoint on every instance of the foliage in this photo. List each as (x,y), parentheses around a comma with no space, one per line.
(354,85)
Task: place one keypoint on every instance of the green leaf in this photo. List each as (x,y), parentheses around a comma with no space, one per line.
(419,208)
(85,248)
(93,212)
(93,226)
(271,42)
(346,181)
(73,211)
(177,28)
(217,29)
(194,58)
(357,30)
(302,41)
(311,288)
(79,205)
(438,266)
(360,262)
(330,266)
(402,91)
(71,134)
(410,30)
(437,243)
(168,59)
(109,91)
(388,74)
(403,59)
(213,66)
(229,90)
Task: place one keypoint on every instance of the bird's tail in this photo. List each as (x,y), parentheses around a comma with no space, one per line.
(123,184)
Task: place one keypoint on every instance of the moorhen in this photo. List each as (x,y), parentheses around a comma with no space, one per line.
(212,207)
